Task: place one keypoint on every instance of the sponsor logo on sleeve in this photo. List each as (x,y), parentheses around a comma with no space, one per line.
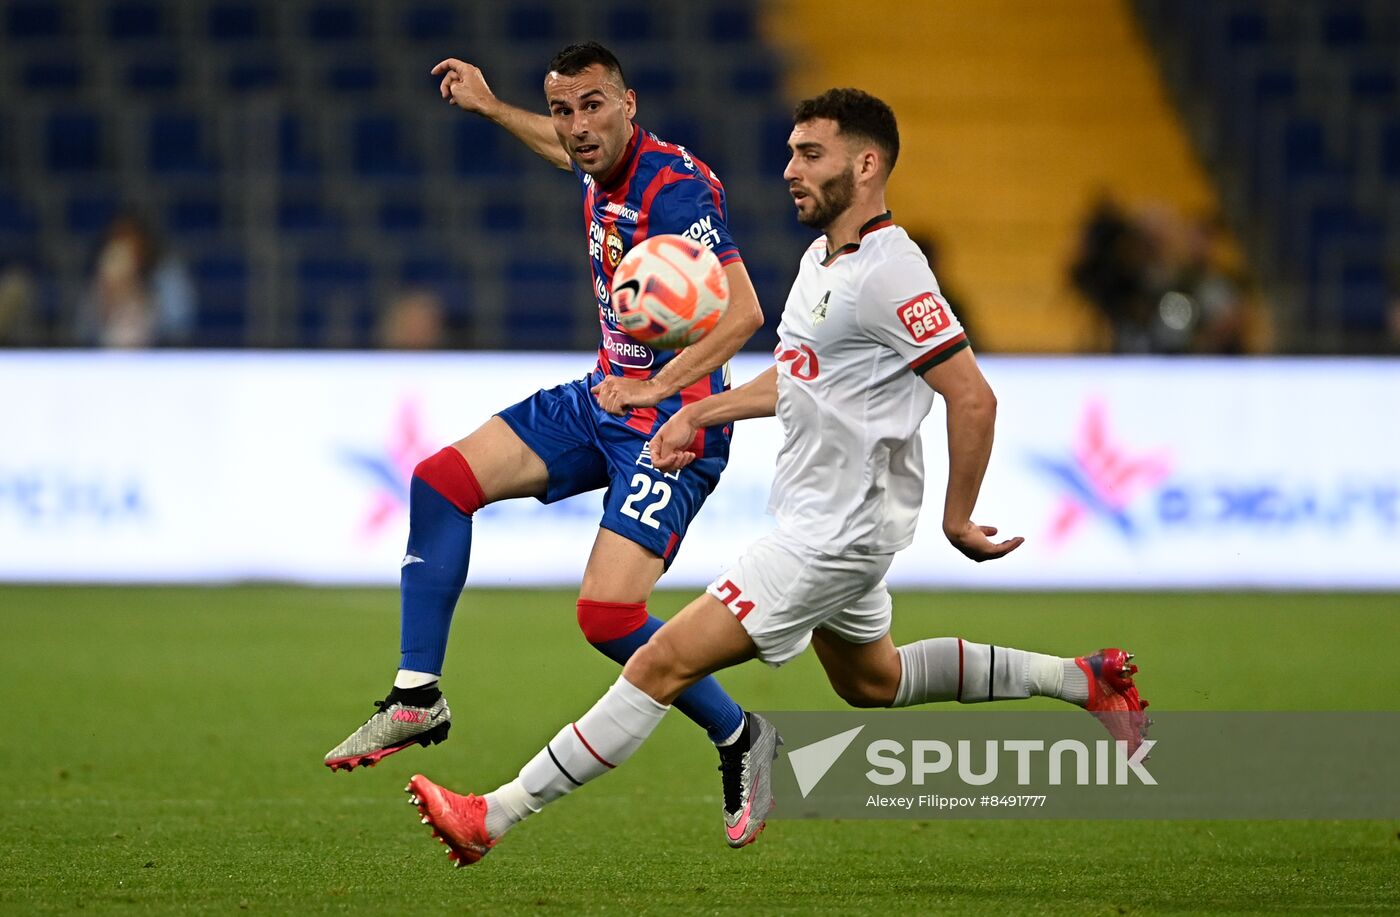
(926,316)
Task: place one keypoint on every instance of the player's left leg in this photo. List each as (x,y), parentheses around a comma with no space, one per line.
(874,672)
(612,613)
(701,639)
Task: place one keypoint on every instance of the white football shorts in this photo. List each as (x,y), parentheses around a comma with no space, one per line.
(782,590)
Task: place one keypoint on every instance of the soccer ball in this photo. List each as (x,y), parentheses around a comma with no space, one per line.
(669,292)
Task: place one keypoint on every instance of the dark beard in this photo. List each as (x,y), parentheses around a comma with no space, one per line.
(833,198)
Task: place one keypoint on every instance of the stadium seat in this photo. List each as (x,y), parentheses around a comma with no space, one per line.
(308,215)
(89,214)
(199,215)
(401,217)
(335,301)
(73,142)
(377,147)
(731,25)
(176,146)
(530,24)
(1390,152)
(1373,82)
(236,22)
(634,23)
(653,84)
(548,298)
(247,74)
(1344,29)
(135,21)
(293,157)
(1365,296)
(222,285)
(477,148)
(27,21)
(503,216)
(427,23)
(60,74)
(153,76)
(754,79)
(355,76)
(16,217)
(1246,29)
(335,23)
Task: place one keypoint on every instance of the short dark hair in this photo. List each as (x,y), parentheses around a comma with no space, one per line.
(578,57)
(857,114)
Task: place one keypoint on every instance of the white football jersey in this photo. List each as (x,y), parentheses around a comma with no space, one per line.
(860,326)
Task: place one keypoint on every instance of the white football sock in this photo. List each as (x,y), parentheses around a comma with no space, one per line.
(600,740)
(950,668)
(407,678)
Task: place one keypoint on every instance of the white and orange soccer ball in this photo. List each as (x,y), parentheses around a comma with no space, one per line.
(669,292)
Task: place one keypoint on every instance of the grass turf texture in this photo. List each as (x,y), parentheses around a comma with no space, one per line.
(163,756)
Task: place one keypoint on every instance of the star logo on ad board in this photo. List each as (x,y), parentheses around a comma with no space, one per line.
(387,471)
(1099,479)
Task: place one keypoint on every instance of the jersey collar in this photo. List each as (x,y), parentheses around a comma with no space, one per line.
(623,168)
(882,221)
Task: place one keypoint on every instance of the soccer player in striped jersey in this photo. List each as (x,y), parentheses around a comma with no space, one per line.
(587,434)
(865,342)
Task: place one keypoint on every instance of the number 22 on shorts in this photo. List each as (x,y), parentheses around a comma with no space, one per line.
(644,488)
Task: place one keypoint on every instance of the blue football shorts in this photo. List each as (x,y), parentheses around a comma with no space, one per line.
(585,448)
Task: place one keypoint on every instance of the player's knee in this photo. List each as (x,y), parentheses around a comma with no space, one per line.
(655,668)
(447,472)
(604,621)
(865,693)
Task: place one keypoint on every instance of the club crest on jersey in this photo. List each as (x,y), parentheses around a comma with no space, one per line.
(819,310)
(612,243)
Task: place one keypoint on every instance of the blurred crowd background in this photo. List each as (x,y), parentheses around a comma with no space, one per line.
(1157,176)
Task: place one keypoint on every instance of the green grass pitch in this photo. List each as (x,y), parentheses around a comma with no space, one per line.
(162,754)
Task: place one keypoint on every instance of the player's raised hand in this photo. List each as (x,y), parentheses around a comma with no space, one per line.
(464,86)
(975,541)
(618,394)
(670,447)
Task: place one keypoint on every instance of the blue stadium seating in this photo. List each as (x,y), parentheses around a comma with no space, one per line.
(426,23)
(60,74)
(236,22)
(73,142)
(177,145)
(136,21)
(89,214)
(318,118)
(1300,100)
(335,22)
(530,24)
(27,21)
(222,281)
(335,302)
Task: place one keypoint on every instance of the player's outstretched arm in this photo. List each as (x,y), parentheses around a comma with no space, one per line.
(618,395)
(670,447)
(464,86)
(972,412)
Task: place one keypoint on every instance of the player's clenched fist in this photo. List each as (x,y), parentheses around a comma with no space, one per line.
(464,86)
(670,447)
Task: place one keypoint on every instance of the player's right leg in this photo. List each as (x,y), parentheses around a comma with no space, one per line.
(491,464)
(701,639)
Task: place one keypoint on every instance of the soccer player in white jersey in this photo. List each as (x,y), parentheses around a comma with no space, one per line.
(865,342)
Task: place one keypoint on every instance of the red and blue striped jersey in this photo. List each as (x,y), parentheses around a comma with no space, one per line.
(657,188)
